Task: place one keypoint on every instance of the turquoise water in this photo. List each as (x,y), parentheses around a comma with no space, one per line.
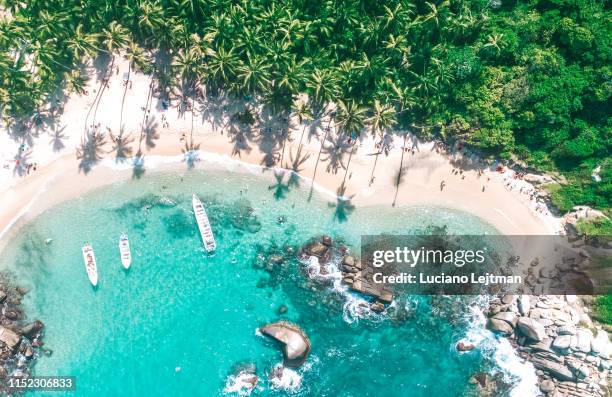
(180,308)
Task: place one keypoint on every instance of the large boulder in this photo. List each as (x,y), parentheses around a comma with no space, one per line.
(501,326)
(524,304)
(508,317)
(562,342)
(583,340)
(295,343)
(9,337)
(600,345)
(531,328)
(555,369)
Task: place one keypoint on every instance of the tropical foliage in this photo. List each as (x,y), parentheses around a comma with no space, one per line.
(527,80)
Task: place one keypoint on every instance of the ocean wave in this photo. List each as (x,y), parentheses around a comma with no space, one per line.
(515,370)
(355,306)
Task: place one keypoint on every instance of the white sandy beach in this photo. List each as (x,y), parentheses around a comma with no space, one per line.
(58,177)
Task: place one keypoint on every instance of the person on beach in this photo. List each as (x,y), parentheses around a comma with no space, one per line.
(442,184)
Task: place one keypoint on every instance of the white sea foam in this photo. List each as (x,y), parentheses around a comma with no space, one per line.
(240,384)
(514,367)
(517,371)
(285,379)
(355,306)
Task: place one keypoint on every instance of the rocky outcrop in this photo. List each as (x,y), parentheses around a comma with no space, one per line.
(33,329)
(359,279)
(19,342)
(355,274)
(294,341)
(551,332)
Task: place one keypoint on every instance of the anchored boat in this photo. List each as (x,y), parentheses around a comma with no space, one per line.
(124,249)
(203,224)
(90,264)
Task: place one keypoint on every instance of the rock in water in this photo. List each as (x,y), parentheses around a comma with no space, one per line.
(296,345)
(464,346)
(531,328)
(30,330)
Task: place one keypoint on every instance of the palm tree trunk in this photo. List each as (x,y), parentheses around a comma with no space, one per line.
(327,129)
(123,99)
(96,99)
(301,137)
(104,84)
(399,174)
(348,164)
(283,150)
(144,116)
(375,161)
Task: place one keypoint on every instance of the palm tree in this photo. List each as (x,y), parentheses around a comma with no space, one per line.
(382,118)
(322,87)
(82,43)
(350,119)
(222,66)
(114,38)
(253,75)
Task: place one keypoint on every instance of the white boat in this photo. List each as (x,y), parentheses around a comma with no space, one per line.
(203,224)
(90,264)
(124,250)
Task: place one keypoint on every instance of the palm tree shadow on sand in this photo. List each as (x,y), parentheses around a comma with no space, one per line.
(91,151)
(343,205)
(57,139)
(239,138)
(334,153)
(296,163)
(150,133)
(121,146)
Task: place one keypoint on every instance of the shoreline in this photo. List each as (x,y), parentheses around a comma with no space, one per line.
(428,178)
(59,182)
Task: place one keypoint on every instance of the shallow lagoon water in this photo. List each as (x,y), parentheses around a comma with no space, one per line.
(180,321)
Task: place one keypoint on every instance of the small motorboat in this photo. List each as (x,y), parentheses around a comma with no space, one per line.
(124,250)
(204,225)
(90,264)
